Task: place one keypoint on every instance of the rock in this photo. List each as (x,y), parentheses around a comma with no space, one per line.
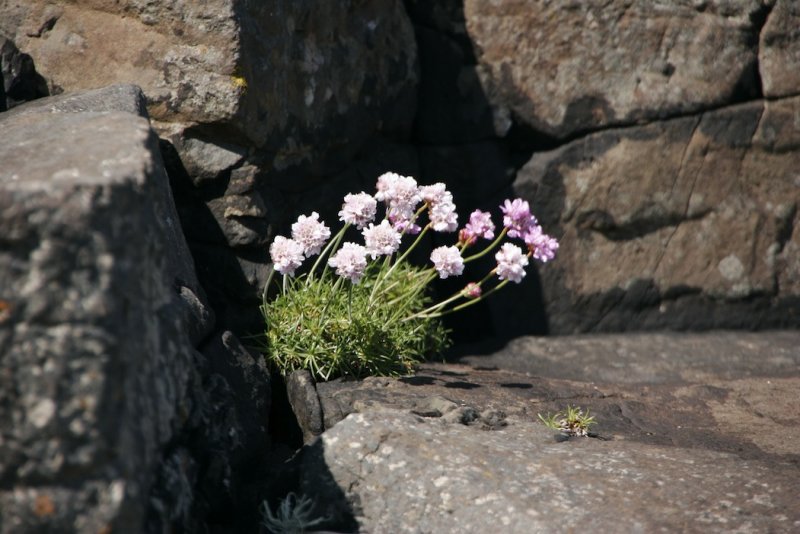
(696,430)
(300,81)
(95,338)
(700,237)
(564,70)
(305,403)
(19,81)
(779,50)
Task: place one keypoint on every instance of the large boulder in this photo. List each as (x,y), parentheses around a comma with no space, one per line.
(109,414)
(686,223)
(693,432)
(569,68)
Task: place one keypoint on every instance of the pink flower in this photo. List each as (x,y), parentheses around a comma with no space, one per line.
(443,217)
(358,209)
(435,194)
(542,246)
(511,263)
(517,217)
(310,233)
(350,261)
(447,261)
(400,193)
(480,225)
(381,240)
(472,291)
(286,254)
(402,223)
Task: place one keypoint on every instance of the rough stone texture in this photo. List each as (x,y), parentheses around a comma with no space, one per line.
(779,50)
(568,68)
(19,81)
(94,338)
(110,419)
(695,432)
(305,403)
(686,223)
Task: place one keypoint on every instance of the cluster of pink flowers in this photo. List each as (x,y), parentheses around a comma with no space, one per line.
(402,197)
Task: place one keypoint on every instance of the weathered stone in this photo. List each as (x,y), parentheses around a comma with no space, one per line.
(96,341)
(305,403)
(779,50)
(302,81)
(403,473)
(687,223)
(19,81)
(568,68)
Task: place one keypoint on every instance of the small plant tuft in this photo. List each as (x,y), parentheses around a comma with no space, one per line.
(573,422)
(293,515)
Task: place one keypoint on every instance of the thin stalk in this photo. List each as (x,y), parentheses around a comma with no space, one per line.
(332,245)
(488,249)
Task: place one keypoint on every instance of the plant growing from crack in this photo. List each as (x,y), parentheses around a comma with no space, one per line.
(294,515)
(574,421)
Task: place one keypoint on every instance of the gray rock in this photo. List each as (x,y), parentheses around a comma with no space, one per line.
(305,403)
(779,50)
(595,64)
(403,473)
(96,339)
(701,236)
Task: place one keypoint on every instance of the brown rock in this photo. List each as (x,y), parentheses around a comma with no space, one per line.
(779,50)
(687,223)
(566,68)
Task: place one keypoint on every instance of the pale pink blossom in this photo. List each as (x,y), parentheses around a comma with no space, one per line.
(400,193)
(517,217)
(472,291)
(310,233)
(358,209)
(435,194)
(350,262)
(511,263)
(443,217)
(382,239)
(402,222)
(542,246)
(286,254)
(480,225)
(447,261)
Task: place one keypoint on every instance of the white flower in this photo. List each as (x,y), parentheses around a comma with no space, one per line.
(358,209)
(511,263)
(447,261)
(350,261)
(435,194)
(382,239)
(443,217)
(286,254)
(310,233)
(400,193)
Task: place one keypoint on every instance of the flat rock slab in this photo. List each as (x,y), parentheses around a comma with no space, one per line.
(694,431)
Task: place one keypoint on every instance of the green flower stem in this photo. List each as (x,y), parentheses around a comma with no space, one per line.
(403,257)
(488,249)
(329,249)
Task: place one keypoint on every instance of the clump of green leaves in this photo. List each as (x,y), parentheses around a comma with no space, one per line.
(334,328)
(574,421)
(294,515)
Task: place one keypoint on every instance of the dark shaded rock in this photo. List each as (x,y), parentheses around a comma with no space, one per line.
(19,81)
(700,237)
(305,403)
(96,345)
(779,50)
(569,69)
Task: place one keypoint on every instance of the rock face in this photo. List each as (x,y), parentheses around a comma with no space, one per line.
(779,50)
(699,433)
(101,316)
(19,81)
(564,69)
(701,236)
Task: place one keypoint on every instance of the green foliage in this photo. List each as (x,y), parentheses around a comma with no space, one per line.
(293,515)
(574,421)
(334,328)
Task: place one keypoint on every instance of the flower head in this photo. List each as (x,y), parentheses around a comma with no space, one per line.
(400,193)
(542,246)
(480,225)
(358,209)
(286,254)
(472,291)
(381,240)
(403,223)
(443,217)
(447,261)
(517,216)
(511,263)
(350,261)
(435,194)
(310,233)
